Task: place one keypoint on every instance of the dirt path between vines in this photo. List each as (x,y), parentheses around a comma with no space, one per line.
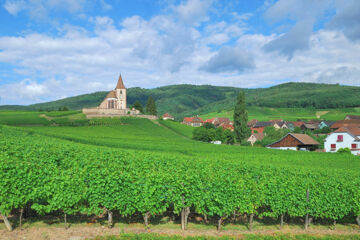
(83,232)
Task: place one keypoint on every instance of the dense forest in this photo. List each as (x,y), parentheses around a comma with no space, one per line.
(182,100)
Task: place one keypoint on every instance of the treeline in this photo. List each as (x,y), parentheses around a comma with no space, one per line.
(186,100)
(55,175)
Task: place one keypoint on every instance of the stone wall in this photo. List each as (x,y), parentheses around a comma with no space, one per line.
(103,112)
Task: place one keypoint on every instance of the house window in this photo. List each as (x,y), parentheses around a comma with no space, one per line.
(340,138)
(353,146)
(333,147)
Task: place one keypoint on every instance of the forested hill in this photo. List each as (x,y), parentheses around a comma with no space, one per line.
(182,100)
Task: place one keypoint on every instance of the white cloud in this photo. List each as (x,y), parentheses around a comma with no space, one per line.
(13,7)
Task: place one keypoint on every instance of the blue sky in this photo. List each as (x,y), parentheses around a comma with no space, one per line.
(51,49)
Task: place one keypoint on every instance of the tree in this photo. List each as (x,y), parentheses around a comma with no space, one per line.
(208,125)
(229,137)
(242,131)
(137,105)
(150,106)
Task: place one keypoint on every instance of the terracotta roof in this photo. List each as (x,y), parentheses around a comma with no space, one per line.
(353,116)
(210,120)
(297,124)
(311,125)
(252,122)
(227,126)
(258,136)
(192,119)
(354,131)
(167,115)
(111,94)
(120,84)
(303,138)
(346,123)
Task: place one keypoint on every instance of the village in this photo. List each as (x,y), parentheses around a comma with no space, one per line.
(343,135)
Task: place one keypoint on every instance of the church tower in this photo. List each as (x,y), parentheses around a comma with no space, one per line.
(120,94)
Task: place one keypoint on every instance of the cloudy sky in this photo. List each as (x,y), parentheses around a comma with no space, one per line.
(51,49)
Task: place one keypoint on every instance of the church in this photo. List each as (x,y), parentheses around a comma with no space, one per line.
(115,99)
(113,105)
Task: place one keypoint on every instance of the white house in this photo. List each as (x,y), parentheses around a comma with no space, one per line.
(344,137)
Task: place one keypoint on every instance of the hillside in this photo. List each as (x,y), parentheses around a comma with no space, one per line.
(182,100)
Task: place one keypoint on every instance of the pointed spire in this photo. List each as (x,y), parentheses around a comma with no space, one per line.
(120,84)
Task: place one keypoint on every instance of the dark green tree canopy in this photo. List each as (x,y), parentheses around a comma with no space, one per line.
(137,105)
(242,131)
(151,106)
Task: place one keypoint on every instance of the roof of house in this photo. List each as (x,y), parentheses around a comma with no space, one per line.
(302,138)
(167,115)
(209,120)
(120,84)
(192,119)
(258,136)
(252,122)
(298,123)
(263,124)
(111,94)
(311,125)
(328,123)
(346,123)
(353,116)
(354,131)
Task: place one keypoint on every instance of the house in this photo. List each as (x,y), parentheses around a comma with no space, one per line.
(344,137)
(255,137)
(311,126)
(218,121)
(345,123)
(252,123)
(295,141)
(193,121)
(324,124)
(229,126)
(351,117)
(278,124)
(167,116)
(259,127)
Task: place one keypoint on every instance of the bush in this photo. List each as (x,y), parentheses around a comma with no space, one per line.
(344,150)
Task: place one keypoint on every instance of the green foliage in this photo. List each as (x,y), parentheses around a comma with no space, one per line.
(143,167)
(151,107)
(242,131)
(208,125)
(344,150)
(188,100)
(17,118)
(209,133)
(137,105)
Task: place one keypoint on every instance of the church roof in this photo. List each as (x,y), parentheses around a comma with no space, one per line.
(120,84)
(111,94)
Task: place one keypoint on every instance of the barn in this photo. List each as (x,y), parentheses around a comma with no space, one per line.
(295,141)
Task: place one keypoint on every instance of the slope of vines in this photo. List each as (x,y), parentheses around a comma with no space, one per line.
(57,175)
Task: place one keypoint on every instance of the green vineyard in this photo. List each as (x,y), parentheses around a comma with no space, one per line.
(143,169)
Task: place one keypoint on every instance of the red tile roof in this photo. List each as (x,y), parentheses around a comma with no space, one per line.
(167,115)
(192,119)
(120,84)
(346,123)
(355,131)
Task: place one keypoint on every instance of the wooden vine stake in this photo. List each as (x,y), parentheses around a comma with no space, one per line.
(110,219)
(184,215)
(281,221)
(7,223)
(251,221)
(146,219)
(21,217)
(358,220)
(65,221)
(307,210)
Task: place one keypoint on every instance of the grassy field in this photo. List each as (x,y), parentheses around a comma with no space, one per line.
(289,114)
(177,127)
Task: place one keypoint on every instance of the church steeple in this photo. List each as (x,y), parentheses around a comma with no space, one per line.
(120,84)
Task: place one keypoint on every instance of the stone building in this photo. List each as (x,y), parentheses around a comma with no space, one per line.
(114,104)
